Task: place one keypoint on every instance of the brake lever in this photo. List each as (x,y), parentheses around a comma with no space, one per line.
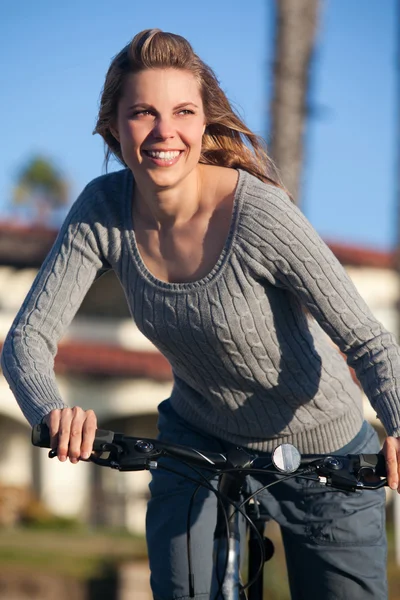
(124,455)
(113,460)
(373,486)
(344,473)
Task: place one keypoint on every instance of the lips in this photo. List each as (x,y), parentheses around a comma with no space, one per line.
(163,158)
(163,154)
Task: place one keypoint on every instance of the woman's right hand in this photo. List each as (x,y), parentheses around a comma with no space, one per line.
(72,432)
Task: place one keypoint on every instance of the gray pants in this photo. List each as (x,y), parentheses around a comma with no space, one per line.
(335,542)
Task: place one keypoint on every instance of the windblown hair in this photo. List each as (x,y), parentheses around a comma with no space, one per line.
(226,141)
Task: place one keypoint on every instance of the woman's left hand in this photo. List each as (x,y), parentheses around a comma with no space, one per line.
(391,450)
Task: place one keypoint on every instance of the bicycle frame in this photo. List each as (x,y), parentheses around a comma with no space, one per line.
(228,545)
(226,573)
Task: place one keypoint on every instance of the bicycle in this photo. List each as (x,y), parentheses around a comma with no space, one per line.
(125,453)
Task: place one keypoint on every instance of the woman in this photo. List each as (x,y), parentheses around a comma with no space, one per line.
(228,279)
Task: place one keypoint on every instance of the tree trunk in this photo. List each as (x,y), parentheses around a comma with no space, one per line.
(296,26)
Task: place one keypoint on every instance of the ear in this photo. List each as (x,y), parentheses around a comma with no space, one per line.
(204,128)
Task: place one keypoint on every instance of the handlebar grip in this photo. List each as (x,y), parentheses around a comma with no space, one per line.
(41,437)
(375,462)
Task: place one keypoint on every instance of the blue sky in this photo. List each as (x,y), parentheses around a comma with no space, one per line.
(55,56)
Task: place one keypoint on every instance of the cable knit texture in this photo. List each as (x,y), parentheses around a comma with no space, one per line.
(250,364)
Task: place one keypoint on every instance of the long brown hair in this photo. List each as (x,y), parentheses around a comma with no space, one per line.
(226,141)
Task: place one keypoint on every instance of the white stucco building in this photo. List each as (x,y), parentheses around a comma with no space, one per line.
(104,363)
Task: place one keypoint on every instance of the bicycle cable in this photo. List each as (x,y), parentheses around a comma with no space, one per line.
(188,533)
(221,497)
(240,507)
(268,485)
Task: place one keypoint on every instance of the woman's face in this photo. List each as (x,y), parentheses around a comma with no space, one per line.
(160,125)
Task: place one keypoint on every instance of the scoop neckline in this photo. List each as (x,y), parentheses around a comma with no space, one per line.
(218,266)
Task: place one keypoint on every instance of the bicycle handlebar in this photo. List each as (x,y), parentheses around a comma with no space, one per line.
(130,452)
(127,453)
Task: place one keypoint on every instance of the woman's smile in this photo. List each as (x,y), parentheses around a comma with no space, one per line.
(163,158)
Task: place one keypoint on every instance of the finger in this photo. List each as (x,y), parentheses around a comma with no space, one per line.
(390,452)
(75,436)
(398,464)
(88,434)
(52,420)
(64,434)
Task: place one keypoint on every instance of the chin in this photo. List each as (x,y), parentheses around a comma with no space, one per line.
(163,180)
(167,178)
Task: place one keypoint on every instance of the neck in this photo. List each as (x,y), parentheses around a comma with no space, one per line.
(168,207)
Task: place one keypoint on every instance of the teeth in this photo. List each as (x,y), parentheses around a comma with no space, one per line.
(163,155)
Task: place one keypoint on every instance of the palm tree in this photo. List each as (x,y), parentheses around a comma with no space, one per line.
(296,26)
(41,185)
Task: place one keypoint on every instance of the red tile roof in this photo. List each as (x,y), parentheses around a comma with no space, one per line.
(110,361)
(358,256)
(22,245)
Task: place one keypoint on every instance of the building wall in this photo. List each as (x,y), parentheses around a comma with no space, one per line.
(380,288)
(127,404)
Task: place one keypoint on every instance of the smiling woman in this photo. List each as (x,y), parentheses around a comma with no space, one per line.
(231,283)
(225,131)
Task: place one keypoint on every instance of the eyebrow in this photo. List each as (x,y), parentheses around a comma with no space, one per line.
(186,104)
(145,105)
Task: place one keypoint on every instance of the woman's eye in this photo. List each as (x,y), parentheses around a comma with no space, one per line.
(141,113)
(186,111)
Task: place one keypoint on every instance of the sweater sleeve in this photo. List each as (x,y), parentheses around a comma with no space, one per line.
(30,347)
(294,257)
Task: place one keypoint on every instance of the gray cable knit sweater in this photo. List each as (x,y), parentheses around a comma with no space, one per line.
(250,365)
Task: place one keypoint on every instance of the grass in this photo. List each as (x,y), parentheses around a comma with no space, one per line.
(86,554)
(393,568)
(80,554)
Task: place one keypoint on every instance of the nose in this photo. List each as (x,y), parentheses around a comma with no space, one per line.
(163,128)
